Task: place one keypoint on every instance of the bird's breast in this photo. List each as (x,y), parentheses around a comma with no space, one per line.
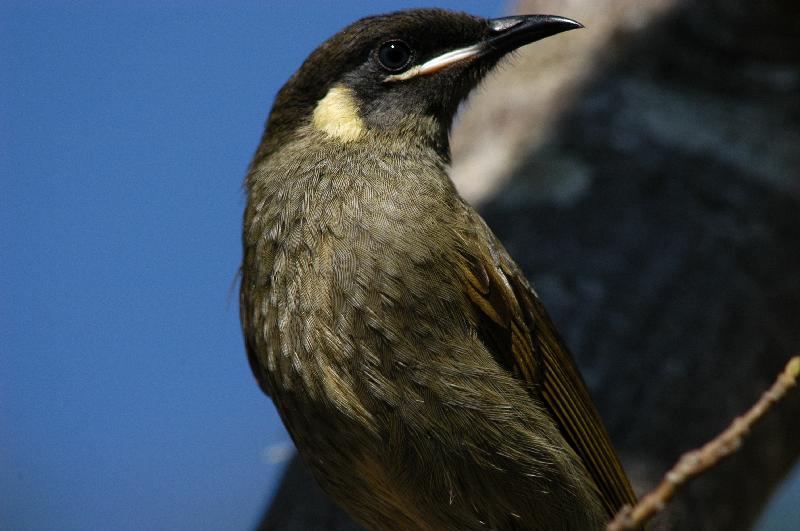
(352,256)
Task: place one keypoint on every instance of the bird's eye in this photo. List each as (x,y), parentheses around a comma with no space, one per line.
(394,56)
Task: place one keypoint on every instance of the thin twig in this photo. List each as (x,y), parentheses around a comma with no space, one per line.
(696,461)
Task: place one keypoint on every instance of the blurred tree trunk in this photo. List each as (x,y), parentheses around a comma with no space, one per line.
(645,173)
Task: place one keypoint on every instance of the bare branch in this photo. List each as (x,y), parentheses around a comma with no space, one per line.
(696,461)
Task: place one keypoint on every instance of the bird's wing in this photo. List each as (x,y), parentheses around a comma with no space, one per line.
(517,330)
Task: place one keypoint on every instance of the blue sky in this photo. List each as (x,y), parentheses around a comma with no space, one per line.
(126,401)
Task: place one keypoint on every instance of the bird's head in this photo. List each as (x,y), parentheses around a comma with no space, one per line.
(397,76)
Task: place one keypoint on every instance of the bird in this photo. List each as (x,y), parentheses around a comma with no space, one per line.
(412,363)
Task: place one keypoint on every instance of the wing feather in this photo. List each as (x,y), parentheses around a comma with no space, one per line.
(517,330)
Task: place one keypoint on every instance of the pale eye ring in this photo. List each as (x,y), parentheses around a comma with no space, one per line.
(394,56)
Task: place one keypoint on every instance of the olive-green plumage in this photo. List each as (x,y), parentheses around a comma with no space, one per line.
(413,365)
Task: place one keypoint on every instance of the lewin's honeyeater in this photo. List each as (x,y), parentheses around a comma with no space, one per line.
(412,363)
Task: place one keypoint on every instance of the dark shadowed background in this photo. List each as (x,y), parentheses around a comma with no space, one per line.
(126,401)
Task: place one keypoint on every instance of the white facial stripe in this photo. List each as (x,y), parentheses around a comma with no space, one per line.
(438,63)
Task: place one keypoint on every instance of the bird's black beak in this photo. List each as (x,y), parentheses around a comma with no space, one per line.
(504,35)
(509,33)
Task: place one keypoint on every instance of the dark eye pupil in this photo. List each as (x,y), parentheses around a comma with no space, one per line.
(394,55)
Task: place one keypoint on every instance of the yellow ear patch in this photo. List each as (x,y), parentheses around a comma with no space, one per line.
(337,115)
